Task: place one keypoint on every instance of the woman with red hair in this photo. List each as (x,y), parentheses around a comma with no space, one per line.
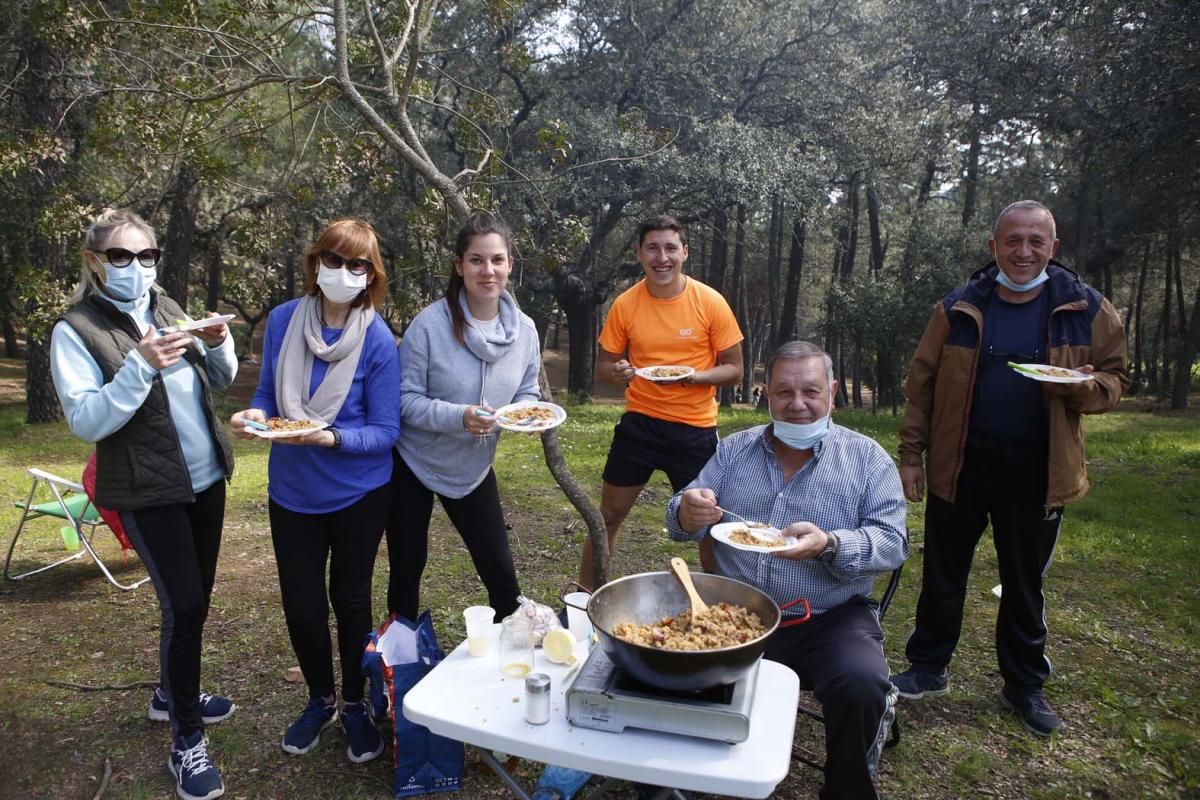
(328,358)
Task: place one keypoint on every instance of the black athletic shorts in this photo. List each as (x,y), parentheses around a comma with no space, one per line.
(642,444)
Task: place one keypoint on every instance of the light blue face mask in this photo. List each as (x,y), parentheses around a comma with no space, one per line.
(799,436)
(1007,282)
(128,283)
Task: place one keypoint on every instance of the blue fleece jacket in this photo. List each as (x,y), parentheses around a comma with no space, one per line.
(315,480)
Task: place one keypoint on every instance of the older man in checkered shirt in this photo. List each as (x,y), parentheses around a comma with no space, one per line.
(838,494)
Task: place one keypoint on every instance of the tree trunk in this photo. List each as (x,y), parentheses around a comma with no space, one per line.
(45,108)
(1138,320)
(791,294)
(720,250)
(1165,385)
(736,290)
(856,370)
(918,219)
(181,230)
(855,205)
(581,322)
(1187,357)
(213,279)
(971,178)
(774,256)
(875,227)
(10,337)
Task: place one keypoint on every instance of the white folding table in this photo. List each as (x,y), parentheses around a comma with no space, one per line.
(466,699)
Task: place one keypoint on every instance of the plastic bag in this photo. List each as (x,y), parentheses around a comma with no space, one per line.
(541,617)
(397,656)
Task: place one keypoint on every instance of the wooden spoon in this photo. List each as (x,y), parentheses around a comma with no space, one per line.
(680,569)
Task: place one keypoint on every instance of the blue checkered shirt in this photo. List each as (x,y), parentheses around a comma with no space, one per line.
(850,487)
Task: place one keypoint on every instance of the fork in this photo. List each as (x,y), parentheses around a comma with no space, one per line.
(755,527)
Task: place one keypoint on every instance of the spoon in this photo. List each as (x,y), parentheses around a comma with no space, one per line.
(680,568)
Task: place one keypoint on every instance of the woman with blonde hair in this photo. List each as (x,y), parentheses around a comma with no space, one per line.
(327,357)
(144,396)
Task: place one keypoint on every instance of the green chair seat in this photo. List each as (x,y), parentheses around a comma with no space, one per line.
(79,505)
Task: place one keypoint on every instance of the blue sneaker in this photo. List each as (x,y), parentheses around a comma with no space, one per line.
(362,737)
(916,683)
(305,733)
(195,776)
(560,783)
(1035,713)
(213,708)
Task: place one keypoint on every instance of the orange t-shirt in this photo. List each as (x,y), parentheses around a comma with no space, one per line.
(687,330)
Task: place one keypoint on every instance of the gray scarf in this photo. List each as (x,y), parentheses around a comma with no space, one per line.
(303,341)
(490,350)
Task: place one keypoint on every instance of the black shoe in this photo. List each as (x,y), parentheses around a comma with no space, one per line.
(1035,713)
(916,683)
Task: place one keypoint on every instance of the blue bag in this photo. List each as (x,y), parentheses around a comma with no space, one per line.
(424,762)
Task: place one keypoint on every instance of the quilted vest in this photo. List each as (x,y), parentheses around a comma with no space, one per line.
(142,465)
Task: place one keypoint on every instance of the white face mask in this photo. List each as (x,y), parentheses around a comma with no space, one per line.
(340,285)
(799,436)
(128,283)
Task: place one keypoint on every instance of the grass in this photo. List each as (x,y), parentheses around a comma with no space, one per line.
(1123,595)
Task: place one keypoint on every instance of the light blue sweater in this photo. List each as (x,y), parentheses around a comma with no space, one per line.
(442,377)
(95,409)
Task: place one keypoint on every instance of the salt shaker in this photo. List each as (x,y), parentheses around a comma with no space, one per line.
(537,698)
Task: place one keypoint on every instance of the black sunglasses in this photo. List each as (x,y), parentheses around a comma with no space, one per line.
(120,257)
(357,266)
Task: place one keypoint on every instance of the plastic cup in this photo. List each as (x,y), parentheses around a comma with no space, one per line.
(577,618)
(479,629)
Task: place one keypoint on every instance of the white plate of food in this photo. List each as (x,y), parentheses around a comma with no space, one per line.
(741,536)
(280,428)
(184,325)
(530,415)
(666,373)
(1050,374)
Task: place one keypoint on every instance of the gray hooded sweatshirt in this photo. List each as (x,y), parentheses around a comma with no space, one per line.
(439,378)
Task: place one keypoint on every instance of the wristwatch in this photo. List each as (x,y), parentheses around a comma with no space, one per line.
(831,547)
(337,439)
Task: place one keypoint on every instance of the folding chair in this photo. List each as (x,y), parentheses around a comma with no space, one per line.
(70,504)
(893,737)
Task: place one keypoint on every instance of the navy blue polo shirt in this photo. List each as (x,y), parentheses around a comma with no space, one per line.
(1008,408)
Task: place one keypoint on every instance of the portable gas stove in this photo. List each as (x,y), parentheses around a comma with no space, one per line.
(604,697)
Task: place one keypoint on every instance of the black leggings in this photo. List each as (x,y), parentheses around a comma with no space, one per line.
(479,520)
(348,539)
(178,545)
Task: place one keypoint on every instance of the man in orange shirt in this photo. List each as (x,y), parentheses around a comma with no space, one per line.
(665,319)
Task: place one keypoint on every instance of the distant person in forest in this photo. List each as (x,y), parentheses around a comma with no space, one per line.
(995,445)
(668,318)
(143,393)
(329,358)
(464,356)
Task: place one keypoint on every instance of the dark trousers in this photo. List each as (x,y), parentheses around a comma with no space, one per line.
(479,520)
(1008,487)
(348,540)
(178,545)
(839,655)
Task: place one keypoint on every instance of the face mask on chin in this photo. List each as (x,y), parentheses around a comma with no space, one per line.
(1008,283)
(340,285)
(799,436)
(128,283)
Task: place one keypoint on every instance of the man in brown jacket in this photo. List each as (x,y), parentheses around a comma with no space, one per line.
(995,444)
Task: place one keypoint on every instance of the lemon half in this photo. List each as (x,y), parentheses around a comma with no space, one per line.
(559,646)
